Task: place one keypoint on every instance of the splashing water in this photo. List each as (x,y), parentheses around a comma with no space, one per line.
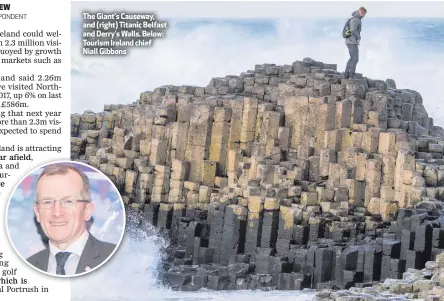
(131,275)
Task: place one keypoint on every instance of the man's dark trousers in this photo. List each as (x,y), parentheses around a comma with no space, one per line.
(353,50)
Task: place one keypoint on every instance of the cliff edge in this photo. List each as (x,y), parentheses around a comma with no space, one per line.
(284,177)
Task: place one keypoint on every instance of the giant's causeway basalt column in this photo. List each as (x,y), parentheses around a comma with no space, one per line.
(285,177)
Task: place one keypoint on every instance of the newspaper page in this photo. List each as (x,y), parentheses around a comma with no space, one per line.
(35,117)
(221,150)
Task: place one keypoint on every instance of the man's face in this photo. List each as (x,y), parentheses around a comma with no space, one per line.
(62,225)
(362,13)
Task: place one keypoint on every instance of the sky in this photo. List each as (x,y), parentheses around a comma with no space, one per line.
(238,35)
(268,9)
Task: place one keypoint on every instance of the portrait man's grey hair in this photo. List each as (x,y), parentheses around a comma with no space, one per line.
(63,168)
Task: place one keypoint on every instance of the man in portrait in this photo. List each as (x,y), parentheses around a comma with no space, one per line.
(63,207)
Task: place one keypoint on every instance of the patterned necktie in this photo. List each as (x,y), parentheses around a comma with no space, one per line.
(61,258)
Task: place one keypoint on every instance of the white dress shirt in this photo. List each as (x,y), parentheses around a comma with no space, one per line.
(75,249)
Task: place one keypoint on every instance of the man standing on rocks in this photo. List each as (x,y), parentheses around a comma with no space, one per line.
(352,36)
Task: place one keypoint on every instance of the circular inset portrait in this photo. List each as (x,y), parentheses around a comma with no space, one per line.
(65,218)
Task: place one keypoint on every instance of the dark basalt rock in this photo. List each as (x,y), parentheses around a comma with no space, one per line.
(284,177)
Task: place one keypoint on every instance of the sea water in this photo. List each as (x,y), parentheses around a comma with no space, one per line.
(409,51)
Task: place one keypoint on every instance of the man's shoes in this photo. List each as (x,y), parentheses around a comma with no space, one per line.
(346,75)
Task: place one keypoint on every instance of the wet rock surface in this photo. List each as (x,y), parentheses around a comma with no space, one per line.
(415,284)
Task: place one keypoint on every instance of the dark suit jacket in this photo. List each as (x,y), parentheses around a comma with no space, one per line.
(94,253)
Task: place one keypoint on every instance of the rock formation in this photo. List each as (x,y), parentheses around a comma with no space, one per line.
(284,177)
(426,284)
